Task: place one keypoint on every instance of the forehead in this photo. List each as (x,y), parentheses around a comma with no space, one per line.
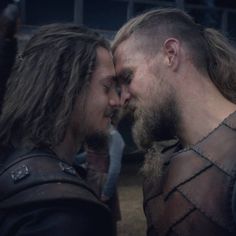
(128,56)
(103,58)
(122,52)
(104,63)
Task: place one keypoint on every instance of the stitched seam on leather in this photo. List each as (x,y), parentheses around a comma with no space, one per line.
(180,220)
(214,221)
(228,126)
(185,181)
(183,217)
(201,140)
(150,198)
(202,155)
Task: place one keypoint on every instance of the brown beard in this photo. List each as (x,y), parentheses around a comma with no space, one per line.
(97,141)
(154,124)
(153,166)
(153,163)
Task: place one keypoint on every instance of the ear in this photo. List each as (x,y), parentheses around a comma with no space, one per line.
(171,48)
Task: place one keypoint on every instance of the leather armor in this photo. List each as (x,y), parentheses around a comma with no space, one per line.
(193,196)
(39,176)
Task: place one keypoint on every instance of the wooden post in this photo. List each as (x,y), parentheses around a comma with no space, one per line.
(78,12)
(224,22)
(22,11)
(180,4)
(130,9)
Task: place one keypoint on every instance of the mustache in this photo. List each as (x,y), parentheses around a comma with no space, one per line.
(111,112)
(130,108)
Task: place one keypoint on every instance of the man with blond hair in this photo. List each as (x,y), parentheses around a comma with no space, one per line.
(179,79)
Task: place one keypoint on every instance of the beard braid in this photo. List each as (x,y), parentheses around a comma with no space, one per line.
(153,163)
(155,158)
(154,124)
(140,134)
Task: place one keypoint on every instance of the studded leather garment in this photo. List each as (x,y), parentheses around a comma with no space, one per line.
(194,195)
(39,176)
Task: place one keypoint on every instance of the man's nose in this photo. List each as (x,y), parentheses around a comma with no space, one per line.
(125,95)
(114,99)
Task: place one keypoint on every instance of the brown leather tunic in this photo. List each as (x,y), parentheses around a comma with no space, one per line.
(193,196)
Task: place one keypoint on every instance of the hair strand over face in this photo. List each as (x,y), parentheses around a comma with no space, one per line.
(55,68)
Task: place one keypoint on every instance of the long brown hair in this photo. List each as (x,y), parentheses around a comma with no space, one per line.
(55,67)
(210,51)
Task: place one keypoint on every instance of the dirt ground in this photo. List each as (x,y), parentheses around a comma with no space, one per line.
(133,221)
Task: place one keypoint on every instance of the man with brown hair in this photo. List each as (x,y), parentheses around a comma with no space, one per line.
(179,78)
(61,92)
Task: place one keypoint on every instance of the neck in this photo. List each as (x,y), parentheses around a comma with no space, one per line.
(68,148)
(202,108)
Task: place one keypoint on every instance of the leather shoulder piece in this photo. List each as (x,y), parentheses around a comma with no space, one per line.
(40,176)
(197,195)
(184,167)
(210,164)
(231,121)
(219,146)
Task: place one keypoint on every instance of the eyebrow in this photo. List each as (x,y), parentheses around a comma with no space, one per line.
(124,74)
(109,78)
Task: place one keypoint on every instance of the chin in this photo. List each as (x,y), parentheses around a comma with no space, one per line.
(107,124)
(101,130)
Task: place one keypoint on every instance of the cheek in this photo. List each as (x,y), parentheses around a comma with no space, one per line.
(139,89)
(99,107)
(140,82)
(149,85)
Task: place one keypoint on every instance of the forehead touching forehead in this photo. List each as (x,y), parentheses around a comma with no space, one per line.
(104,67)
(131,53)
(127,59)
(103,56)
(137,47)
